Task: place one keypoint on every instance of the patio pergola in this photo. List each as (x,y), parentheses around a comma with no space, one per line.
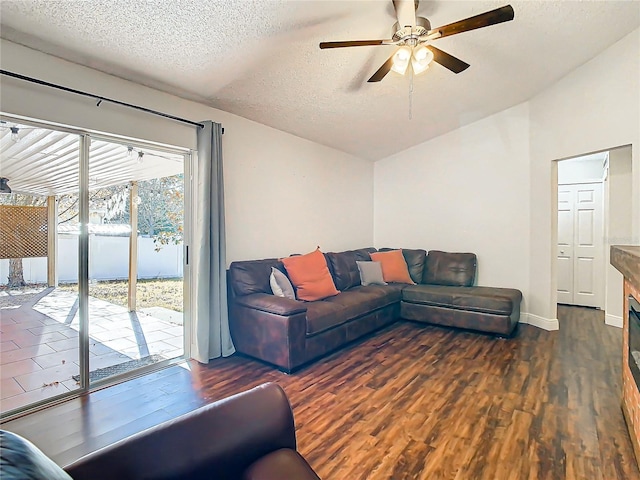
(44,162)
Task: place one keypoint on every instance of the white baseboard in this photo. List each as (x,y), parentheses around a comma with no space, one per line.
(549,324)
(613,320)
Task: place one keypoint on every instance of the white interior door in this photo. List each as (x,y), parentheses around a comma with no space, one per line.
(565,244)
(580,245)
(588,277)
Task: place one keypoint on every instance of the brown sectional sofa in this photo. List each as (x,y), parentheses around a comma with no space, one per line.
(290,333)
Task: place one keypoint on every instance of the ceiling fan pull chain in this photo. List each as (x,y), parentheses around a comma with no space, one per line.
(410,92)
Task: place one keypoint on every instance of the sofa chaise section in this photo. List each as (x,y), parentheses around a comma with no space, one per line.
(484,309)
(447,296)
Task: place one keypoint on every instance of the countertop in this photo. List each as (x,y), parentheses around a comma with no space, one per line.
(626,258)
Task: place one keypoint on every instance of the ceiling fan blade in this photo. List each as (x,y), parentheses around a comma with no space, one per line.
(355,43)
(448,61)
(499,15)
(382,71)
(405,12)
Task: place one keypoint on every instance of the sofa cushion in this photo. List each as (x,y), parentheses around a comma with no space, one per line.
(344,269)
(22,460)
(280,464)
(394,266)
(370,273)
(392,290)
(272,304)
(252,276)
(455,269)
(415,258)
(362,300)
(310,275)
(498,301)
(323,315)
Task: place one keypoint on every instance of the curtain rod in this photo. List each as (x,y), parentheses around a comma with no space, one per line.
(99,98)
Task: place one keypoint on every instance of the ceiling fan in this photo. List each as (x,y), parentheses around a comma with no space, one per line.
(414,36)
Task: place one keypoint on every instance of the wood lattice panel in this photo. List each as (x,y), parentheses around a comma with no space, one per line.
(23,231)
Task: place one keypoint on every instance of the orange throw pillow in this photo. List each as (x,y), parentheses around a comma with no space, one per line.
(394,266)
(310,275)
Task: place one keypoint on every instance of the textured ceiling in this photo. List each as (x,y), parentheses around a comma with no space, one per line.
(260,59)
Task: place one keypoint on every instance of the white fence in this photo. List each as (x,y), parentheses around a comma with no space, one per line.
(108,260)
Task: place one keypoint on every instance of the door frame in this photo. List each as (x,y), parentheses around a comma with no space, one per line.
(554,224)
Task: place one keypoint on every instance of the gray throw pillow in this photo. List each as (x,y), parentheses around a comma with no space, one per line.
(370,273)
(280,284)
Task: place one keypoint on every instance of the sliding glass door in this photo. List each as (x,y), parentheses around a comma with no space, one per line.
(39,249)
(136,257)
(92,242)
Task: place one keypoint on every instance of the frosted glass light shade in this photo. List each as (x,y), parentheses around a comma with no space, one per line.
(401,60)
(421,58)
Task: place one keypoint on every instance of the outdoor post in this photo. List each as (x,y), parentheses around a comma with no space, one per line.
(133,245)
(52,241)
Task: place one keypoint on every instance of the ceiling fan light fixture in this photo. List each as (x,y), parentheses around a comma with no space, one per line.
(14,134)
(417,31)
(401,60)
(421,59)
(421,52)
(418,67)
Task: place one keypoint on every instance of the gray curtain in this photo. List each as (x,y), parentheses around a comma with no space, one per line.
(211,337)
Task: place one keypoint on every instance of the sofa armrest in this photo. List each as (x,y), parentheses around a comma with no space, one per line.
(278,338)
(272,304)
(219,440)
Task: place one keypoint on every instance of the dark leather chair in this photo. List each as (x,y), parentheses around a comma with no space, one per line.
(250,436)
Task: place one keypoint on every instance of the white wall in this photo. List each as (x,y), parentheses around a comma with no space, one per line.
(287,195)
(490,187)
(283,194)
(466,191)
(594,108)
(619,226)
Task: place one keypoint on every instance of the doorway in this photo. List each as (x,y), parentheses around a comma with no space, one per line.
(594,194)
(580,247)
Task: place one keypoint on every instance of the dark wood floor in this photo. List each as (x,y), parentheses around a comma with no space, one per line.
(410,402)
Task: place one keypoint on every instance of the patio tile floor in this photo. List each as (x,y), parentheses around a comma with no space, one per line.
(39,343)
